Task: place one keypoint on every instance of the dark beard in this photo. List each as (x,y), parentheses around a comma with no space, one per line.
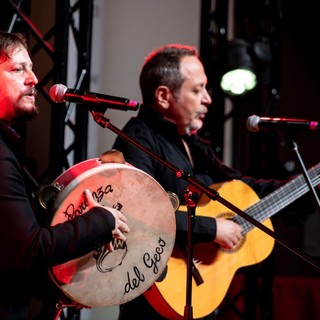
(23,116)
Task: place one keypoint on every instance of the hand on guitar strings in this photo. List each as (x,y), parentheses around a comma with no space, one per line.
(121,226)
(228,233)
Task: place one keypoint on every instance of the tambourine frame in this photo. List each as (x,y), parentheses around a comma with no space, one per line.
(103,278)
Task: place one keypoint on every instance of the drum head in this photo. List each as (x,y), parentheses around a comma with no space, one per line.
(104,278)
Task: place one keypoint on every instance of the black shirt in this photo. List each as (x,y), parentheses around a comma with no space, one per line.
(160,137)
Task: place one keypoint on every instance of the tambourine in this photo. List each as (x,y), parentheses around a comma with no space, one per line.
(102,278)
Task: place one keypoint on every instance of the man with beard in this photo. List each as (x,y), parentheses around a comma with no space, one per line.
(28,250)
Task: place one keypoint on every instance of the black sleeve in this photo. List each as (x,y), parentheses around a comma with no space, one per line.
(23,243)
(76,237)
(204,228)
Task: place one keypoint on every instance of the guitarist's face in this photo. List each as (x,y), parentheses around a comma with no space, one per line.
(188,107)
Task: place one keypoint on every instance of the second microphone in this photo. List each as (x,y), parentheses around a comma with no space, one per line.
(255,123)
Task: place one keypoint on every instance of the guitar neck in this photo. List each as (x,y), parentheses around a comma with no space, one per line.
(279,199)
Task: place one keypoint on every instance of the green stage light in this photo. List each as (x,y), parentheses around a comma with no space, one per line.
(240,74)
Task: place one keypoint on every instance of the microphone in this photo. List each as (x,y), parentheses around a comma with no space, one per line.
(255,123)
(60,93)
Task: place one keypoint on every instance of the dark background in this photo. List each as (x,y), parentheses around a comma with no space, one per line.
(289,87)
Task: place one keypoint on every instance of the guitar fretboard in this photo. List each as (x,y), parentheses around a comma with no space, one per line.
(279,199)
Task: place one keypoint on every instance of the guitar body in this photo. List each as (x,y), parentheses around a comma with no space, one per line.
(216,266)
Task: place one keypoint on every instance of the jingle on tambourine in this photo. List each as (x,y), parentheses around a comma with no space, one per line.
(175,201)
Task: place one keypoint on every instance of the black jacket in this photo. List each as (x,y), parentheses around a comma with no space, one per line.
(28,250)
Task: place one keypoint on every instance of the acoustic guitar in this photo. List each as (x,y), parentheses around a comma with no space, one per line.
(214,267)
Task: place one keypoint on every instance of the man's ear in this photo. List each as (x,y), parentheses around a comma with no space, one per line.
(163,96)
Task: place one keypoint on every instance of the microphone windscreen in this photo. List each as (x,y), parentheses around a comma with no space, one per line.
(253,123)
(57,93)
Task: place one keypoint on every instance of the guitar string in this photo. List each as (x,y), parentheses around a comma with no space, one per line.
(279,199)
(278,203)
(283,200)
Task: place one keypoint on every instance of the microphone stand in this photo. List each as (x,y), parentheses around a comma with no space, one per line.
(305,173)
(200,189)
(191,199)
